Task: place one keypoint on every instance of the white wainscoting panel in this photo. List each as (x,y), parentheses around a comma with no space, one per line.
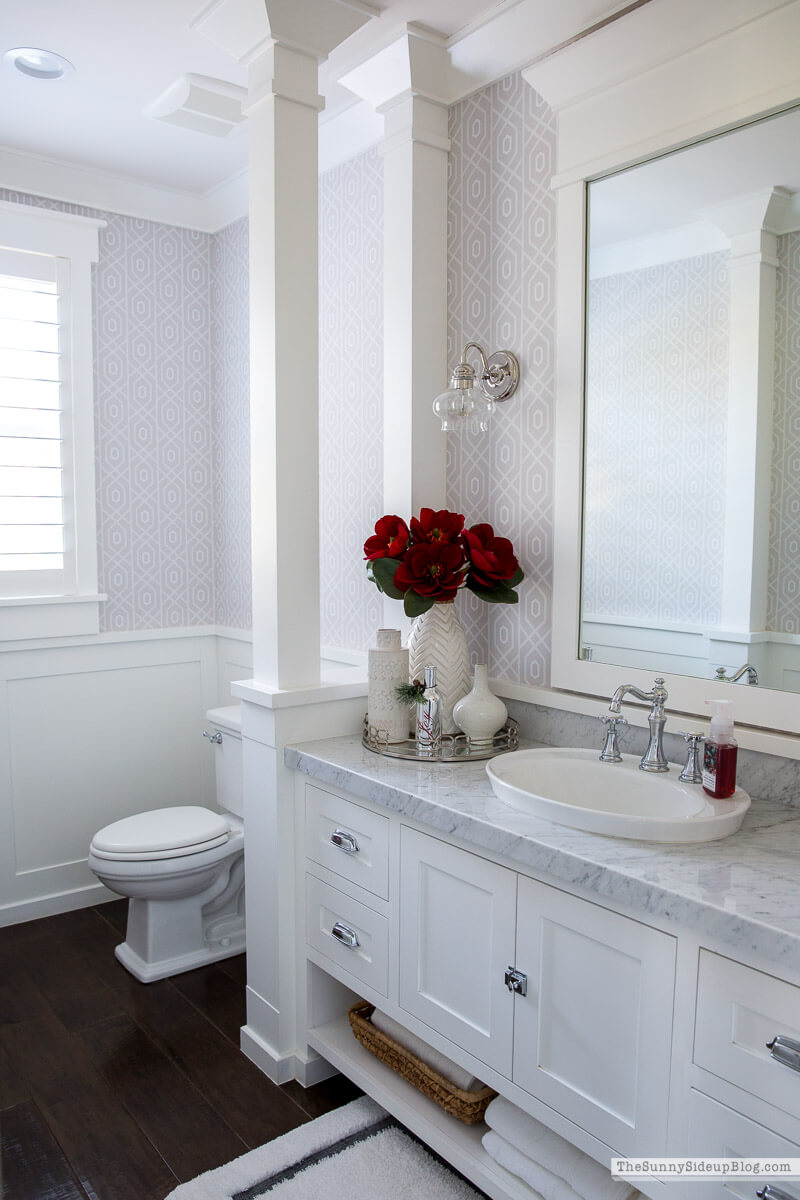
(90,733)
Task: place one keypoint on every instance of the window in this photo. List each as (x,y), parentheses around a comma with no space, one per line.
(48,556)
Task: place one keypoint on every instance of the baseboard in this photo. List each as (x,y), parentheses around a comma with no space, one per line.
(51,906)
(280,1068)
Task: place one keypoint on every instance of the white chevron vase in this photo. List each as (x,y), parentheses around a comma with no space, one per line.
(437,640)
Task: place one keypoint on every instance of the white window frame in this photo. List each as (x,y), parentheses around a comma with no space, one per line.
(75,240)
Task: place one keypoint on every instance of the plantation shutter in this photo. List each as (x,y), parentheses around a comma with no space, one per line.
(34,459)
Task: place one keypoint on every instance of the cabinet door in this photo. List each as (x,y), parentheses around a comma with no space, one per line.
(593,1035)
(456,939)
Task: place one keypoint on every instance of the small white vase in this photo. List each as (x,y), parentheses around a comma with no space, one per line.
(387,667)
(481,714)
(438,640)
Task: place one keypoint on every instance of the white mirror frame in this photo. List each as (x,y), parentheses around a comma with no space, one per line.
(663,76)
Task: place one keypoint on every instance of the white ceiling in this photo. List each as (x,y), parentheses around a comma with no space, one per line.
(127,52)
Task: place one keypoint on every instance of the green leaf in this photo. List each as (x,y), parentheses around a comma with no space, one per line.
(381,571)
(415,605)
(501,594)
(516,578)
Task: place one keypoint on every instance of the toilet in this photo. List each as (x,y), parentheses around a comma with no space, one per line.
(182,869)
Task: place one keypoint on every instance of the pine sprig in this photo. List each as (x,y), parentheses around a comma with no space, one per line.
(410,693)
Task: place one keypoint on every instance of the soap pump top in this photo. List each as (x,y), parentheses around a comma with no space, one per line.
(722,721)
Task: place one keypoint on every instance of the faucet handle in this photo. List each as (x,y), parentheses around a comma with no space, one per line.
(610,751)
(691,772)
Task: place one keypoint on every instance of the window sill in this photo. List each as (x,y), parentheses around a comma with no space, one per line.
(23,618)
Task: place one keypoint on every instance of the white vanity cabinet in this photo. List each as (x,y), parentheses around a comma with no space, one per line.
(588,1031)
(626,1036)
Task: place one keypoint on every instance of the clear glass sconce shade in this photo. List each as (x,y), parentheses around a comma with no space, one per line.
(454,406)
(481,416)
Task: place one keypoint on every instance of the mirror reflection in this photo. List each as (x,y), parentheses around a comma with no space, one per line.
(691,537)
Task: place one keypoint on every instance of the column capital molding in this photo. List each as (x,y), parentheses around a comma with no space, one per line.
(416,63)
(280,70)
(246,28)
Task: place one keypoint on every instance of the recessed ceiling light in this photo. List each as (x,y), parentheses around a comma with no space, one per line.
(39,64)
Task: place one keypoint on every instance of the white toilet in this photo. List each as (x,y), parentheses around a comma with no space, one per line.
(183,869)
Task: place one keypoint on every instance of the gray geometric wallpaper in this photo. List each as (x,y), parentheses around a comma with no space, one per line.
(501,293)
(230,424)
(153,426)
(657,387)
(783,580)
(157,442)
(350,396)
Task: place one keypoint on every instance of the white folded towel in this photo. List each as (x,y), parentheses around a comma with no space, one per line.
(543,1182)
(589,1179)
(409,1041)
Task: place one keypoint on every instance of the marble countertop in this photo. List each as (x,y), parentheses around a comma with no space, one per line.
(743,890)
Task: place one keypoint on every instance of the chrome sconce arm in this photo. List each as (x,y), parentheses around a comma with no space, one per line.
(472,398)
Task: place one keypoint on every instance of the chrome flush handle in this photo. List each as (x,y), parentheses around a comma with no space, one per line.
(347,936)
(768,1192)
(215,738)
(344,841)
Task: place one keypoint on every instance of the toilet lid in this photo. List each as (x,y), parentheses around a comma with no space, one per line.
(187,829)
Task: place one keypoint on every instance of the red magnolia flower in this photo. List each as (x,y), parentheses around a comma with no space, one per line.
(492,559)
(430,559)
(389,540)
(434,569)
(442,526)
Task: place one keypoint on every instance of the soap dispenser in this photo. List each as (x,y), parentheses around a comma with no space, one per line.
(721,752)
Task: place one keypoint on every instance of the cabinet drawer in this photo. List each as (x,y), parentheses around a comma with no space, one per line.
(716,1131)
(348,839)
(348,933)
(739,1010)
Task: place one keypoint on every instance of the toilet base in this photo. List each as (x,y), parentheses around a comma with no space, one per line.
(149,972)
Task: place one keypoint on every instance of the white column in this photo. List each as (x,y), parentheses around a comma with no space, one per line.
(407,83)
(282,44)
(282,117)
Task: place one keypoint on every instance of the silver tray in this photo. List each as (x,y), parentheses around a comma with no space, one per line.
(456,747)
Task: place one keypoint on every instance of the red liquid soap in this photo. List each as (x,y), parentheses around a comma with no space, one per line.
(719,769)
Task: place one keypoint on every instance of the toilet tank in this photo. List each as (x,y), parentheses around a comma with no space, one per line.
(227,722)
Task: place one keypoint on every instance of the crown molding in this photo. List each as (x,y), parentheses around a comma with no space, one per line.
(71,184)
(510,35)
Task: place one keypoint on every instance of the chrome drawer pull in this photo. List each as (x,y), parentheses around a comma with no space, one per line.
(768,1192)
(785,1050)
(344,841)
(347,936)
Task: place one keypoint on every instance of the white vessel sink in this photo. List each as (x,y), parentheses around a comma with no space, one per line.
(572,787)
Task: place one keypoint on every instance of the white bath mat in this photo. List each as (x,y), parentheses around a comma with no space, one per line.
(356,1152)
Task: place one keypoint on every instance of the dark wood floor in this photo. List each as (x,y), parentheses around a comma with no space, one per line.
(111,1089)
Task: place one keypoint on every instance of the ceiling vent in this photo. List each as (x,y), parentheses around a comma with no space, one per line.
(202,104)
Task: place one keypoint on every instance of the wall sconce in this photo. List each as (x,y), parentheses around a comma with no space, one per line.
(472,400)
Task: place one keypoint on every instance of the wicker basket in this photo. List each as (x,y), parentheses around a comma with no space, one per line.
(468,1107)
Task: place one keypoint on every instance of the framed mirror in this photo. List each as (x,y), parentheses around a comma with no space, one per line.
(691,496)
(675,459)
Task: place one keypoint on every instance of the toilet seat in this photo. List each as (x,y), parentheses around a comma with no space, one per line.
(161,834)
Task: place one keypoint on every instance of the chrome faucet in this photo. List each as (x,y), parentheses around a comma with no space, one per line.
(748,669)
(653,758)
